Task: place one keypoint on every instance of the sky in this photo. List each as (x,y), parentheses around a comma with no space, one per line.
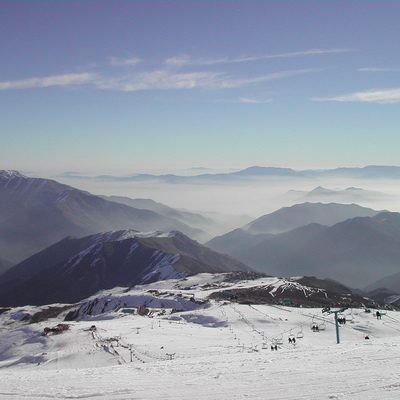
(120,87)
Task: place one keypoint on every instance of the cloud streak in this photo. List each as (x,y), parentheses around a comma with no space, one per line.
(57,80)
(124,62)
(254,101)
(171,74)
(185,59)
(383,96)
(164,79)
(375,69)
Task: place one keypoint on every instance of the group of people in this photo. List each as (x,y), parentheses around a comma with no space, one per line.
(315,328)
(292,340)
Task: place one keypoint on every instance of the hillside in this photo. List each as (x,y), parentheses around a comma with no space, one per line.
(4,266)
(76,268)
(39,212)
(356,252)
(288,218)
(391,282)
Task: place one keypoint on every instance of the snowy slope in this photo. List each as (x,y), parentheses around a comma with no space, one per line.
(214,349)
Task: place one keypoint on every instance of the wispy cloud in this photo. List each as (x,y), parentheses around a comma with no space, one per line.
(171,74)
(375,69)
(290,55)
(254,101)
(57,80)
(164,79)
(123,62)
(185,59)
(179,61)
(159,80)
(383,96)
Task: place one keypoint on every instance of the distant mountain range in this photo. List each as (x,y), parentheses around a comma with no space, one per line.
(348,195)
(288,218)
(74,269)
(391,282)
(356,251)
(368,172)
(39,212)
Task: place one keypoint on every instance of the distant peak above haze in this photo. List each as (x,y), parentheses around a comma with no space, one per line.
(9,173)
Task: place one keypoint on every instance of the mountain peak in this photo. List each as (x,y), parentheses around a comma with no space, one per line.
(10,174)
(121,235)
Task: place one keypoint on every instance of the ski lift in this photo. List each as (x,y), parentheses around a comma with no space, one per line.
(265,345)
(279,341)
(291,337)
(322,326)
(314,326)
(300,333)
(350,317)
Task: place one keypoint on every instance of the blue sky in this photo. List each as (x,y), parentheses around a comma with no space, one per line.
(148,86)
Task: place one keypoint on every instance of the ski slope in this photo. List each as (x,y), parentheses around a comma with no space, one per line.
(216,350)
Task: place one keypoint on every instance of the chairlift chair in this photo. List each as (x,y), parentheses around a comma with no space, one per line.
(300,333)
(350,317)
(314,325)
(279,341)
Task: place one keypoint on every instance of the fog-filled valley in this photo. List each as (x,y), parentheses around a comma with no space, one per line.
(252,195)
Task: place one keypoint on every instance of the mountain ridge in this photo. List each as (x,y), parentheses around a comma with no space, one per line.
(38,212)
(367,172)
(74,268)
(357,251)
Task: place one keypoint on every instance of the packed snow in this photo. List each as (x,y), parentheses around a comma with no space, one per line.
(210,350)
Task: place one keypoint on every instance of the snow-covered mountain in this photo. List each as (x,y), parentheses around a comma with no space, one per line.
(200,290)
(39,212)
(73,269)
